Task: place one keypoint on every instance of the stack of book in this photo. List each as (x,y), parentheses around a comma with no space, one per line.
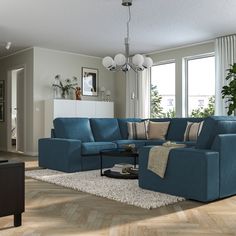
(122,168)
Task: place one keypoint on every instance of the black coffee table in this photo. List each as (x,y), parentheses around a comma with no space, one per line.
(119,152)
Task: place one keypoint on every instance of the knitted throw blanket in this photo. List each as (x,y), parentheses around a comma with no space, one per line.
(158,157)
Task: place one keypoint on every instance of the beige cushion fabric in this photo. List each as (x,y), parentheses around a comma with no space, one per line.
(137,130)
(157,130)
(192,131)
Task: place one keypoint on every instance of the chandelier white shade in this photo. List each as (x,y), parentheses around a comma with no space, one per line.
(124,62)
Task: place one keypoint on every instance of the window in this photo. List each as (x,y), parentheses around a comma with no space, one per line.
(163,90)
(201,86)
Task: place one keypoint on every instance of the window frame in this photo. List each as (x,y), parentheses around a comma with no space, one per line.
(186,81)
(159,63)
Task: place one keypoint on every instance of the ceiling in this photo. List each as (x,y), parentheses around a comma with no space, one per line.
(98,27)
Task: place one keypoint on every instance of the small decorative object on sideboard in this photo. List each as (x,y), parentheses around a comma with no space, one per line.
(108,95)
(64,88)
(102,90)
(78,93)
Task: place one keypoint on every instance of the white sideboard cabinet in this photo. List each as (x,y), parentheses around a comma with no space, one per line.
(75,108)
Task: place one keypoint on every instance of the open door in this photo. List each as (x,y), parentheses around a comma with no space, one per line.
(20,111)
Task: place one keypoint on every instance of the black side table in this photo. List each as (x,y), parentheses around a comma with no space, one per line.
(12,189)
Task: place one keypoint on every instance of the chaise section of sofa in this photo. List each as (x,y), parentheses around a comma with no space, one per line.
(206,172)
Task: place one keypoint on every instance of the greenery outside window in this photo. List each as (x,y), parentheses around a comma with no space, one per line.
(163,90)
(201,86)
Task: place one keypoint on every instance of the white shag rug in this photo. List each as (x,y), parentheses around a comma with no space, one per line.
(122,190)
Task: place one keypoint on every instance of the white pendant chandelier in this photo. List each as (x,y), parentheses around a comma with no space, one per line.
(124,62)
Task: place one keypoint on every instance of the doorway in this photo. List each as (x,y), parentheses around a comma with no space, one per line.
(15,128)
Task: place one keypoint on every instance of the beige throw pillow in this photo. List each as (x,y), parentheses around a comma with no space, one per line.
(137,130)
(192,131)
(158,130)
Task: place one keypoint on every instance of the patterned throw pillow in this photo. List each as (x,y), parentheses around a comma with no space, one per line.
(158,130)
(192,131)
(137,130)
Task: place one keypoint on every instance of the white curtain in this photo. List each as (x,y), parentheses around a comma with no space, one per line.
(138,94)
(225,48)
(143,94)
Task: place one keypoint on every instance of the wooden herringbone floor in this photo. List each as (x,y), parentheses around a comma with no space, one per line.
(53,210)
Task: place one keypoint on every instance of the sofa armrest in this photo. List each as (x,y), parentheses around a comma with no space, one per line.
(225,144)
(60,154)
(191,173)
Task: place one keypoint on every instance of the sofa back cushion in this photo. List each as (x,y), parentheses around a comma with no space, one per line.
(177,128)
(137,130)
(192,131)
(213,126)
(124,126)
(158,130)
(73,128)
(105,129)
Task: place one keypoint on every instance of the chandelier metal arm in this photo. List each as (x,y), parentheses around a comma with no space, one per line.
(126,62)
(128,22)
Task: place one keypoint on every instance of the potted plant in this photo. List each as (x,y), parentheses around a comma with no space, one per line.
(65,86)
(229,91)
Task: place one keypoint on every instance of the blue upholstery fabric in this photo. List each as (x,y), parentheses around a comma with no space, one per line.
(91,148)
(154,142)
(105,129)
(159,119)
(60,154)
(177,128)
(123,126)
(225,144)
(190,173)
(213,126)
(138,143)
(53,133)
(73,128)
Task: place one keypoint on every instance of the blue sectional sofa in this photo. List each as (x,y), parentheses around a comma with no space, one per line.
(205,172)
(76,142)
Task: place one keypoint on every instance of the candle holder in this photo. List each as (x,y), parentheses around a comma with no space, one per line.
(108,95)
(102,90)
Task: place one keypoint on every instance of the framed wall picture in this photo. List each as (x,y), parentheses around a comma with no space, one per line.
(89,81)
(2,90)
(1,111)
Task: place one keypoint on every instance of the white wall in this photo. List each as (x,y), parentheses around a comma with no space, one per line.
(178,56)
(22,59)
(47,64)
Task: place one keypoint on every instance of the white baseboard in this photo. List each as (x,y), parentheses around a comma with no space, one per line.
(34,154)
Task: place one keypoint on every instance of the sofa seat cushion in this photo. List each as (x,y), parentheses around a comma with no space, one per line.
(73,128)
(91,148)
(154,142)
(138,143)
(105,129)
